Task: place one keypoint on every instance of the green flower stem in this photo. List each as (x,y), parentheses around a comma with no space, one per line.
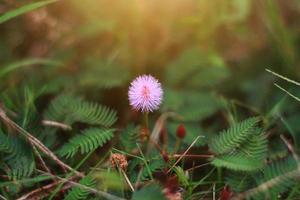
(177,144)
(146,122)
(58,188)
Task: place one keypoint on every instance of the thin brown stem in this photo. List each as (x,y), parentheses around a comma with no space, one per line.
(266,185)
(92,190)
(35,142)
(290,147)
(40,158)
(192,156)
(193,143)
(56,124)
(44,191)
(127,180)
(198,166)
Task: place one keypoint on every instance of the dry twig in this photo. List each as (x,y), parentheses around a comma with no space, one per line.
(35,142)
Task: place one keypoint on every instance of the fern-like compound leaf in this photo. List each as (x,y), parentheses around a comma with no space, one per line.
(129,137)
(93,113)
(78,193)
(88,141)
(18,163)
(255,147)
(69,109)
(237,162)
(239,181)
(276,174)
(6,143)
(20,167)
(233,137)
(249,156)
(148,193)
(153,167)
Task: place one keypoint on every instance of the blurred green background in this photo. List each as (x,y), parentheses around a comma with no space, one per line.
(211,57)
(196,48)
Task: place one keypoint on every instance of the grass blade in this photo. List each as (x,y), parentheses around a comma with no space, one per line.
(24,9)
(27,62)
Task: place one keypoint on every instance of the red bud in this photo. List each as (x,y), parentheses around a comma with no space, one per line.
(163,135)
(181,131)
(166,157)
(226,193)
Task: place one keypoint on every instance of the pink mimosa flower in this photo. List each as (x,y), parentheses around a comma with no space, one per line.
(145,93)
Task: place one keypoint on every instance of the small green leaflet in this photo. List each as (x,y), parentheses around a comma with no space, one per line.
(24,9)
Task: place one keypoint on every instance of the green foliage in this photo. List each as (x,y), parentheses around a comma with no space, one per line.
(255,146)
(233,137)
(192,131)
(276,175)
(7,144)
(237,161)
(240,181)
(88,141)
(109,179)
(144,169)
(277,149)
(69,109)
(129,137)
(20,163)
(28,62)
(148,193)
(243,147)
(194,70)
(81,53)
(20,167)
(112,74)
(24,9)
(183,179)
(153,166)
(185,102)
(80,192)
(277,172)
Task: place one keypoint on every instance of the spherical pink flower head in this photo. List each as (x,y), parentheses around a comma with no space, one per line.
(145,93)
